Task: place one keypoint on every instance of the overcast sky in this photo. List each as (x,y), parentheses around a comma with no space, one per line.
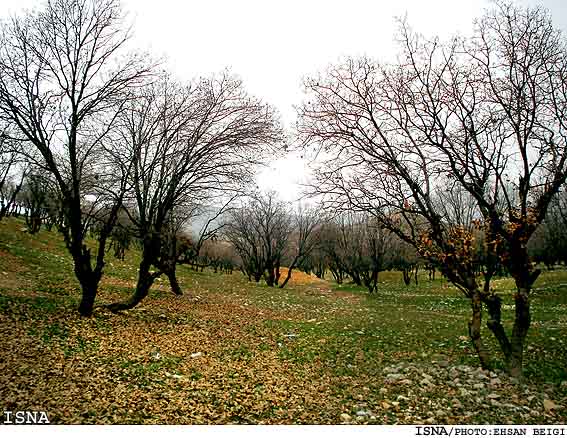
(272,45)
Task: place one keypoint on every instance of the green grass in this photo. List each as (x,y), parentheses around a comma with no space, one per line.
(336,336)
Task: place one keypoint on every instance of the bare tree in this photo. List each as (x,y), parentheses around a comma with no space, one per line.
(406,259)
(187,144)
(11,174)
(171,254)
(260,232)
(304,238)
(357,246)
(34,199)
(331,254)
(62,83)
(245,237)
(486,113)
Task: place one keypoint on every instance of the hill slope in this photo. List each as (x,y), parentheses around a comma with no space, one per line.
(229,351)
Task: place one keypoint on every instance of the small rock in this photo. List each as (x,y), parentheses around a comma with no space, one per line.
(196,355)
(440,414)
(443,363)
(478,386)
(425,382)
(405,382)
(456,403)
(403,398)
(382,390)
(493,374)
(563,384)
(548,405)
(386,405)
(345,417)
(363,413)
(392,378)
(464,392)
(530,398)
(430,420)
(493,396)
(495,382)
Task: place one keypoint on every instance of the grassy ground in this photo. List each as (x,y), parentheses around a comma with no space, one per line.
(229,351)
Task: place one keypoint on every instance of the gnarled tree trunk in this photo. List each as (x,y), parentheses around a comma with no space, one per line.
(475,325)
(145,281)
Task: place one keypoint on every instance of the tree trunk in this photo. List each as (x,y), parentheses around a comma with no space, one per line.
(278,274)
(475,325)
(494,323)
(88,279)
(356,278)
(519,332)
(375,280)
(168,264)
(269,274)
(270,277)
(172,276)
(145,281)
(406,275)
(89,290)
(288,276)
(89,283)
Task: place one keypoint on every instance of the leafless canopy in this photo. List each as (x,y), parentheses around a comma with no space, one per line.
(63,78)
(182,146)
(485,113)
